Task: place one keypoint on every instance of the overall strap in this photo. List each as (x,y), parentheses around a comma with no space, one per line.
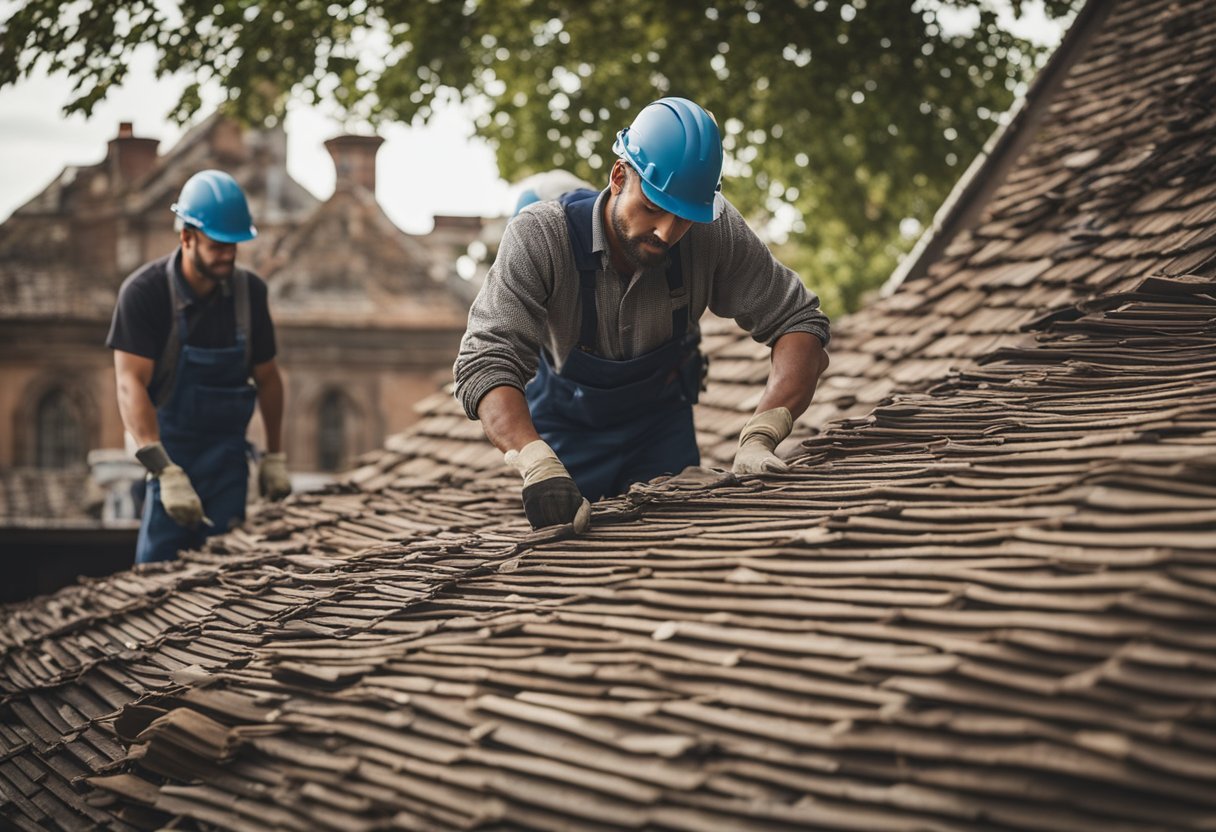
(679,294)
(579,206)
(166,367)
(240,286)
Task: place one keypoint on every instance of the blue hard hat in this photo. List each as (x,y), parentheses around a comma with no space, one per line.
(526,198)
(212,202)
(675,147)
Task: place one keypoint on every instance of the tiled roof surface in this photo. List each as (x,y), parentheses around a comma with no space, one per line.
(988,604)
(1117,185)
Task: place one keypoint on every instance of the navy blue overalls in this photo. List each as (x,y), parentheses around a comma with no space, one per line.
(614,423)
(203,412)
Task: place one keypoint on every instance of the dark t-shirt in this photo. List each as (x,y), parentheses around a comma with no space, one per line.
(142,317)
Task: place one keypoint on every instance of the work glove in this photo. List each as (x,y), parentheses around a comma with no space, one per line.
(550,496)
(759,438)
(177,495)
(273,481)
(179,498)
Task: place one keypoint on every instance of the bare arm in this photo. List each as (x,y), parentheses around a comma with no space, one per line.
(134,373)
(270,400)
(505,418)
(799,359)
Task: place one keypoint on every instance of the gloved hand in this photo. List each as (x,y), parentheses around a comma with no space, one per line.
(550,496)
(759,438)
(177,495)
(273,481)
(179,498)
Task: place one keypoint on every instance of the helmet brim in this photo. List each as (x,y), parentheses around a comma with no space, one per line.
(691,211)
(232,236)
(243,235)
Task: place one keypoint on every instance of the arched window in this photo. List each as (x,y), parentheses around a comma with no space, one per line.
(331,432)
(60,442)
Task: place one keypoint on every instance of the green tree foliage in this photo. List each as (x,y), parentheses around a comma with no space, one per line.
(843,117)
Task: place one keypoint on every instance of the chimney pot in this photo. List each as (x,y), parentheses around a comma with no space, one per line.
(354,161)
(130,157)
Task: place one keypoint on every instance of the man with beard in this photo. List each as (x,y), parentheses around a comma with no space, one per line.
(194,352)
(581,356)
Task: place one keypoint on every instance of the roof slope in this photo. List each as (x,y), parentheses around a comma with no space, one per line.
(989,606)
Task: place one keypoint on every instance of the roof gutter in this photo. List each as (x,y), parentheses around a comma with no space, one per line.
(992,164)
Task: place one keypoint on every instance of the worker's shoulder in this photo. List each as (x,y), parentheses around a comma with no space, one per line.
(152,270)
(147,281)
(546,218)
(257,284)
(537,233)
(728,225)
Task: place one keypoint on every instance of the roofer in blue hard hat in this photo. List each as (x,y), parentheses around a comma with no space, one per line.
(581,357)
(194,351)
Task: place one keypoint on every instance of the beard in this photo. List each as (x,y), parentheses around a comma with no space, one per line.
(632,245)
(215,274)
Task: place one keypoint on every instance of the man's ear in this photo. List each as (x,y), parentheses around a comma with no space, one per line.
(184,237)
(616,179)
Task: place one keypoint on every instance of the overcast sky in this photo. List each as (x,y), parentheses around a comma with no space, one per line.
(437,169)
(422,171)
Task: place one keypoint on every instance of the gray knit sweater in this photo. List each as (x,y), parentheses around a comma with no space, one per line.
(530,299)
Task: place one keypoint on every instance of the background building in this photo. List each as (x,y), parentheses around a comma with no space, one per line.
(368,318)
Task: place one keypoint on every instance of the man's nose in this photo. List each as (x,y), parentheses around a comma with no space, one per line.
(671,228)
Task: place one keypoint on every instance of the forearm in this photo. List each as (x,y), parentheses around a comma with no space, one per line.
(270,402)
(137,411)
(506,420)
(550,496)
(799,359)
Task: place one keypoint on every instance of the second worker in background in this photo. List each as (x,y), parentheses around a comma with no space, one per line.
(194,352)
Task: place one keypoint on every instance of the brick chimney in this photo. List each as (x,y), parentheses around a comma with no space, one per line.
(355,161)
(129,157)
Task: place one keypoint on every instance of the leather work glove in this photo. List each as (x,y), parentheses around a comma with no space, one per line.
(759,438)
(177,495)
(550,496)
(179,498)
(273,481)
